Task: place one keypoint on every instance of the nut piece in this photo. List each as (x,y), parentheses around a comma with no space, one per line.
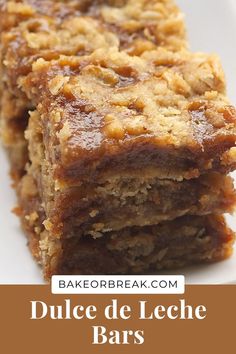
(114,128)
(57,83)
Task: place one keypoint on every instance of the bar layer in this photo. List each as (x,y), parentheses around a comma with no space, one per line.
(46,29)
(129,137)
(135,250)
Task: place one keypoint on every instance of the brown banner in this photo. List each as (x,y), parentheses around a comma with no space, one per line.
(20,333)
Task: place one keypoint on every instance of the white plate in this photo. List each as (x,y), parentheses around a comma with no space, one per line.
(212,28)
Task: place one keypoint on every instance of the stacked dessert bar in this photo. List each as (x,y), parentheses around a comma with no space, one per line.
(121,140)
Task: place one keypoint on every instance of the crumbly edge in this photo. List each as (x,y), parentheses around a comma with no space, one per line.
(114,129)
(34,216)
(133,200)
(195,133)
(132,250)
(21,21)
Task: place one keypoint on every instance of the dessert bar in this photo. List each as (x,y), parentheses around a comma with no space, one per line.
(133,250)
(121,140)
(46,29)
(120,145)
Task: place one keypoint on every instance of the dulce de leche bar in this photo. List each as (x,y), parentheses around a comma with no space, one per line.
(127,138)
(129,157)
(46,29)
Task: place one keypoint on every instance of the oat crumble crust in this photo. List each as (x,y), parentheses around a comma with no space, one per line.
(128,137)
(109,116)
(109,110)
(45,29)
(135,250)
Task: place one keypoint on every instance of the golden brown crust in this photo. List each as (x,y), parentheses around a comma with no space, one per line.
(48,28)
(109,110)
(173,244)
(188,240)
(127,131)
(51,28)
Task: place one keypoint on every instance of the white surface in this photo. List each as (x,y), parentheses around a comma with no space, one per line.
(212,28)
